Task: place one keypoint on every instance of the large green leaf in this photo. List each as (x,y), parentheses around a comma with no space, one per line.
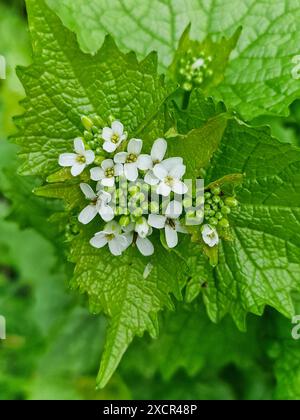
(61,85)
(260,266)
(258,78)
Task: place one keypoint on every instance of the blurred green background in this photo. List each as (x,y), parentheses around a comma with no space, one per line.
(53,344)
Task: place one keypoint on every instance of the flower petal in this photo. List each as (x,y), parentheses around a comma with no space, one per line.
(145,247)
(171,236)
(78,168)
(108,182)
(170,163)
(88,191)
(118,128)
(107,164)
(142,228)
(160,171)
(174,209)
(107,134)
(144,162)
(109,146)
(87,214)
(79,146)
(178,171)
(157,221)
(131,171)
(67,159)
(117,245)
(158,150)
(121,157)
(150,178)
(119,169)
(163,189)
(179,187)
(89,157)
(135,146)
(180,228)
(106,212)
(97,174)
(99,240)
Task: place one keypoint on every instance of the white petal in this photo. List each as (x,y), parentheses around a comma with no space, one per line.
(108,182)
(142,228)
(89,157)
(117,128)
(163,189)
(179,187)
(67,159)
(104,197)
(107,164)
(87,214)
(119,169)
(88,191)
(135,146)
(174,209)
(109,146)
(107,134)
(117,245)
(159,149)
(77,168)
(145,246)
(144,162)
(171,236)
(121,157)
(112,227)
(107,213)
(178,171)
(180,228)
(150,178)
(131,171)
(160,171)
(210,236)
(172,162)
(97,174)
(130,228)
(157,221)
(79,146)
(99,240)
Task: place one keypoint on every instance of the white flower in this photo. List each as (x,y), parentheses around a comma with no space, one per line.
(210,236)
(138,232)
(77,161)
(147,162)
(169,222)
(107,173)
(132,159)
(113,136)
(98,205)
(169,174)
(111,235)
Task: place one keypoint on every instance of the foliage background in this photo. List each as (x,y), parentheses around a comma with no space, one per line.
(54,345)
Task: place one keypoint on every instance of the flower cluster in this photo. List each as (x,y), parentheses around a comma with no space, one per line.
(193,69)
(136,193)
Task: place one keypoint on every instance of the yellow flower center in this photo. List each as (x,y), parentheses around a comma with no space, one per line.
(169,180)
(131,158)
(81,159)
(115,138)
(109,173)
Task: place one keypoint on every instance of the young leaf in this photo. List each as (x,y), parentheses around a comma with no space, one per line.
(262,73)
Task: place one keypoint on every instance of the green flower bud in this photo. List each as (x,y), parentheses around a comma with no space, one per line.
(154,207)
(99,160)
(134,189)
(215,207)
(124,221)
(231,202)
(88,136)
(145,206)
(187,202)
(209,201)
(98,121)
(95,129)
(187,86)
(141,197)
(216,199)
(219,215)
(225,210)
(87,123)
(224,223)
(207,207)
(138,212)
(190,214)
(207,195)
(213,221)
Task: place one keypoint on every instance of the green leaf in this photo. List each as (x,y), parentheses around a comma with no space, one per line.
(258,78)
(60,88)
(260,266)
